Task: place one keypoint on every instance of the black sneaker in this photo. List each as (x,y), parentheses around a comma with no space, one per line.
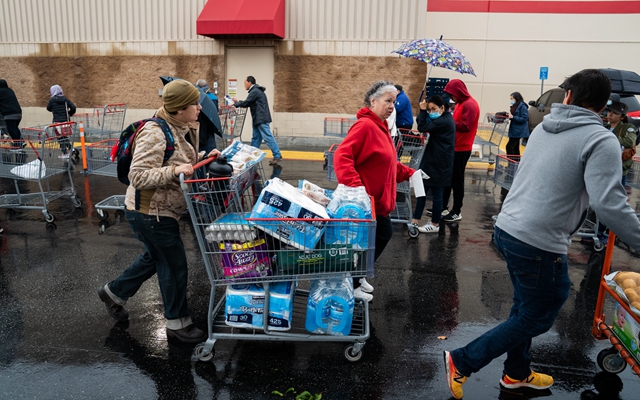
(451,217)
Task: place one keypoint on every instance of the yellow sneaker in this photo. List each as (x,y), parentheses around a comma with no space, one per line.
(533,381)
(455,379)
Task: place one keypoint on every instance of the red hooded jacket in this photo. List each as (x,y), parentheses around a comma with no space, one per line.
(466,114)
(367,157)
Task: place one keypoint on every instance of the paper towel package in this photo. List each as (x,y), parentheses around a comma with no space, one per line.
(282,201)
(244,306)
(245,260)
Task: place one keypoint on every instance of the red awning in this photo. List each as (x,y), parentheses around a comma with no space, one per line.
(241,17)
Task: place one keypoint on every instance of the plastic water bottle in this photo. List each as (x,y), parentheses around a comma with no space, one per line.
(330,306)
(349,203)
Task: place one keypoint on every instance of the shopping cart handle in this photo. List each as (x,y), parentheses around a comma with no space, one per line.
(206,161)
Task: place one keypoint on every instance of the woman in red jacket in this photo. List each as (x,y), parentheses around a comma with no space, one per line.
(367,157)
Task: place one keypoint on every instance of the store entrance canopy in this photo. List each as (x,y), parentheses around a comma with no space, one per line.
(223,18)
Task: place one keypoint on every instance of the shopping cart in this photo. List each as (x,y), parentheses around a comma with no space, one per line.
(221,199)
(624,349)
(231,123)
(104,122)
(42,153)
(99,163)
(489,136)
(410,147)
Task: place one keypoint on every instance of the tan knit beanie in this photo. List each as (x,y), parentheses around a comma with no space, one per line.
(178,94)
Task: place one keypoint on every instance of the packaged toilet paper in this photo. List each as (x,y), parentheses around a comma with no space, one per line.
(244,306)
(284,202)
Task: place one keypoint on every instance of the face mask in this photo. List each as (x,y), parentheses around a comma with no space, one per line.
(434,115)
(609,102)
(512,102)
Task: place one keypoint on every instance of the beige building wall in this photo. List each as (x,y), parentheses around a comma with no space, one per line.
(507,50)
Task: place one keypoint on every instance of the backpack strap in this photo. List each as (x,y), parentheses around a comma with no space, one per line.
(168,136)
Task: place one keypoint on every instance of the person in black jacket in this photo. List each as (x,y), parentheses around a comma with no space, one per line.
(10,110)
(437,159)
(257,103)
(62,110)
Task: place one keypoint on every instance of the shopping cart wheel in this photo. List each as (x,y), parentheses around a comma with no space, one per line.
(102,214)
(48,216)
(609,360)
(198,353)
(348,354)
(11,214)
(119,215)
(413,232)
(597,244)
(51,227)
(102,226)
(77,203)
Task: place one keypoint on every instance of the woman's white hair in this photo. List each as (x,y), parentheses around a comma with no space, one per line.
(377,90)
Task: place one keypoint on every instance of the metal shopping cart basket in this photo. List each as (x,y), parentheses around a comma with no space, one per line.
(99,163)
(217,202)
(105,122)
(624,348)
(231,123)
(490,135)
(42,153)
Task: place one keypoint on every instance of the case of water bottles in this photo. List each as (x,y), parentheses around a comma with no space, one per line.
(267,236)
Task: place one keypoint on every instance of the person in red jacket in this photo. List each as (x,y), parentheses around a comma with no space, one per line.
(367,157)
(466,116)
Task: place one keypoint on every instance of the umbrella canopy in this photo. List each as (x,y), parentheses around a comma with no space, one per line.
(209,108)
(436,53)
(623,82)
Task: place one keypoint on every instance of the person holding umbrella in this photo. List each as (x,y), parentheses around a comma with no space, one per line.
(618,123)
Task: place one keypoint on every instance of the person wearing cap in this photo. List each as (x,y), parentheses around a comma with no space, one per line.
(154,203)
(618,123)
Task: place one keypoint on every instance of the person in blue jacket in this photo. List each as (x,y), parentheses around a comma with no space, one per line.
(437,159)
(519,123)
(404,114)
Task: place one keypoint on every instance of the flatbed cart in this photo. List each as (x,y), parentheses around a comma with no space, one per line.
(216,199)
(615,358)
(41,154)
(410,147)
(231,123)
(99,163)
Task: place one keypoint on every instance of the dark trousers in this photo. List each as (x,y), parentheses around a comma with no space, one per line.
(384,232)
(513,146)
(12,128)
(460,159)
(436,208)
(163,255)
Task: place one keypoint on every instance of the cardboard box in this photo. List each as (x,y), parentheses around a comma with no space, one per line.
(627,330)
(330,258)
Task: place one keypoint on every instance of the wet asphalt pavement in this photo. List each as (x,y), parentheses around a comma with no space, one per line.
(57,341)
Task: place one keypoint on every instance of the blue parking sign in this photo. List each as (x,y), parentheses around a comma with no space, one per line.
(544,73)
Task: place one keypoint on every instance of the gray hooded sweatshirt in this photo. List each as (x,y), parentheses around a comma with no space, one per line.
(571,162)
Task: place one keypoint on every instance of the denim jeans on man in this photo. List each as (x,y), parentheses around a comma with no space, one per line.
(540,287)
(262,132)
(163,254)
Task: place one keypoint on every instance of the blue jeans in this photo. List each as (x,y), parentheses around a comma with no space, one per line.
(163,254)
(262,132)
(436,208)
(540,287)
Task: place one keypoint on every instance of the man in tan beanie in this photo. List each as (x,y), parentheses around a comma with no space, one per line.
(154,204)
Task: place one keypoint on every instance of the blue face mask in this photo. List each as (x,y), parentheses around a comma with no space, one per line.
(512,102)
(434,115)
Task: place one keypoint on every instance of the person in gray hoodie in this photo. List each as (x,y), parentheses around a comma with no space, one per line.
(571,161)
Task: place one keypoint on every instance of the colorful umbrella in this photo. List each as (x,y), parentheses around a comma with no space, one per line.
(436,53)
